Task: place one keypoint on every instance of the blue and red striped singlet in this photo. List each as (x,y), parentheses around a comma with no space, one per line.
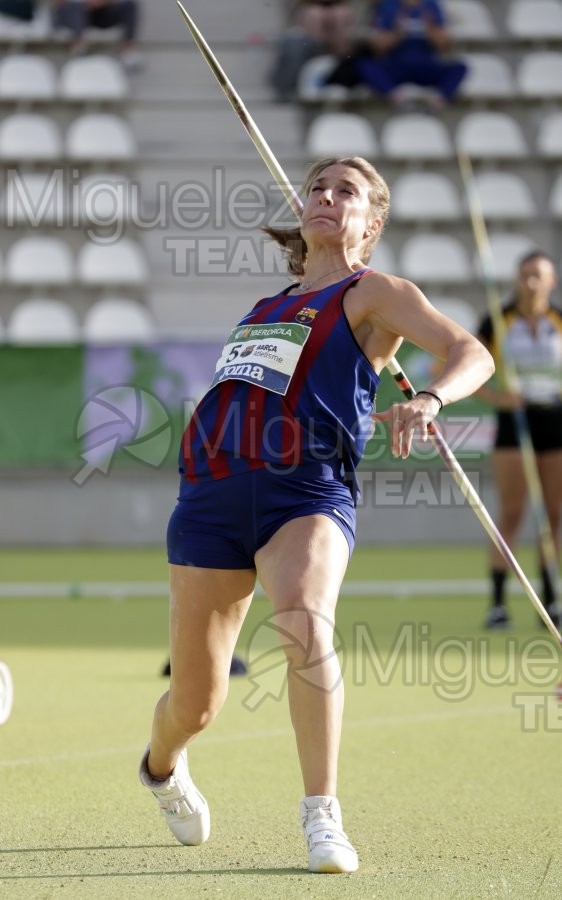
(292,386)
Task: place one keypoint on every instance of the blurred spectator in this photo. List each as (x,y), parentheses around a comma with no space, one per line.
(407,39)
(78,15)
(317,27)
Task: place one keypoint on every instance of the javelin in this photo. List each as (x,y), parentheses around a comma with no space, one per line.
(405,386)
(507,373)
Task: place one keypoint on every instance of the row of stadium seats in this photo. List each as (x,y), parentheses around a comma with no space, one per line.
(43,260)
(469,20)
(94,136)
(49,198)
(503,196)
(443,259)
(30,77)
(106,199)
(538,75)
(524,19)
(104,136)
(160,23)
(487,134)
(48,321)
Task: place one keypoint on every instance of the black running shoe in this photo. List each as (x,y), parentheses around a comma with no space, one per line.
(497,619)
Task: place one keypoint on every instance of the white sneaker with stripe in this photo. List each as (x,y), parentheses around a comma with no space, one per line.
(329,849)
(184,809)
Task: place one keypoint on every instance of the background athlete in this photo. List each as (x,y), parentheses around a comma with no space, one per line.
(533,344)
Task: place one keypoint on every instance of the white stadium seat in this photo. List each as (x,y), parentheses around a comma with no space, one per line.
(435,257)
(470,20)
(506,250)
(539,74)
(504,195)
(489,76)
(27,77)
(118,263)
(416,136)
(43,321)
(549,135)
(39,260)
(341,134)
(425,195)
(29,136)
(100,136)
(34,199)
(93,78)
(117,319)
(535,19)
(490,134)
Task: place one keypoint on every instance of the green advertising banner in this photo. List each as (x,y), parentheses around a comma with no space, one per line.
(88,407)
(41,389)
(95,405)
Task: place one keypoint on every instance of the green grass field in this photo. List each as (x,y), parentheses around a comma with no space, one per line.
(450,761)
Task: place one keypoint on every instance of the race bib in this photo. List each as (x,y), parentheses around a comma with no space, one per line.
(265,355)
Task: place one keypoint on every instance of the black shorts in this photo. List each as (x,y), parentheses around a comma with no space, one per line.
(545,426)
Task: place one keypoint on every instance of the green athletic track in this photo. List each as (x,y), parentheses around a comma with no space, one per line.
(450,760)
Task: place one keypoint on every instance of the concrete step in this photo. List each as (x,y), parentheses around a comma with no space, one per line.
(181,74)
(214,132)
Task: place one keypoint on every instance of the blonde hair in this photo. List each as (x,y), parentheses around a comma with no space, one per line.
(291,240)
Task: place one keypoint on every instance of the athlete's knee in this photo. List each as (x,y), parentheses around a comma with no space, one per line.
(305,634)
(194,719)
(194,713)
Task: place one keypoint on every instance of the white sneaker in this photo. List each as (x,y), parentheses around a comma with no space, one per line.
(185,810)
(329,849)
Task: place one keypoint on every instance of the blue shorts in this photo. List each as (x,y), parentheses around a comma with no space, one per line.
(221,524)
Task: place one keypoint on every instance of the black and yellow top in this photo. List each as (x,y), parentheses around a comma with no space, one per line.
(535,353)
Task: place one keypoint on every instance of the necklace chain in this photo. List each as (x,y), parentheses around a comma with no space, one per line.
(305,285)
